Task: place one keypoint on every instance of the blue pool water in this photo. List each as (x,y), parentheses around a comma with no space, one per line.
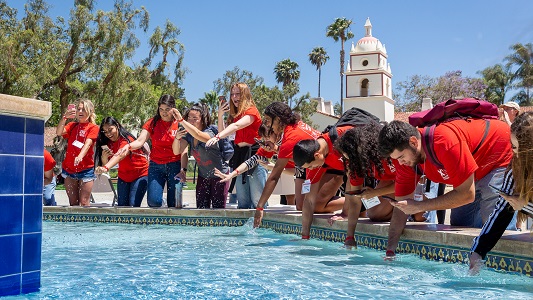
(103,261)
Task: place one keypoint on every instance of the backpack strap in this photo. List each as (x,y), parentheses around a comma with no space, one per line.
(487,128)
(333,134)
(427,145)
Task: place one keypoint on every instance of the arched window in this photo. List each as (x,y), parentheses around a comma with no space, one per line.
(364,88)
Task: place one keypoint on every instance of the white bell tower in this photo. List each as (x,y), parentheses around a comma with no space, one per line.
(369,77)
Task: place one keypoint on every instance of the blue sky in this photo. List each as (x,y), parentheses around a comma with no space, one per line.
(422,37)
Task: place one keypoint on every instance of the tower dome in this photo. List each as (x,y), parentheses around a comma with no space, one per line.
(368,43)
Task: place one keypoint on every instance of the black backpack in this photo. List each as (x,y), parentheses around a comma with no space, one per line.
(353,117)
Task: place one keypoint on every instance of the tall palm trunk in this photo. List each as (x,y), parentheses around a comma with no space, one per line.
(319,74)
(342,81)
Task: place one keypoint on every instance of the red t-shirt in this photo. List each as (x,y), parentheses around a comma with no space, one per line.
(49,161)
(134,165)
(79,132)
(292,135)
(332,161)
(162,137)
(248,133)
(453,144)
(389,172)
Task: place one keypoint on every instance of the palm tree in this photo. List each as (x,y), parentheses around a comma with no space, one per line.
(340,30)
(286,73)
(522,59)
(211,100)
(498,81)
(318,58)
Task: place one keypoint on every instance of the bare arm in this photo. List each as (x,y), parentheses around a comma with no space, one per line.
(242,123)
(60,130)
(48,176)
(270,185)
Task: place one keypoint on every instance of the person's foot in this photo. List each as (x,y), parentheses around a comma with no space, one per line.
(337,217)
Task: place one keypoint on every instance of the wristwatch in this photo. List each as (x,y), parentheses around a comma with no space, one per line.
(184,170)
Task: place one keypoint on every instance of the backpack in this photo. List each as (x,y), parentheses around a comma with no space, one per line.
(225,146)
(453,109)
(353,116)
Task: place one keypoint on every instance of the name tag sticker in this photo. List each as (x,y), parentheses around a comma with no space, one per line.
(369,203)
(77,144)
(306,186)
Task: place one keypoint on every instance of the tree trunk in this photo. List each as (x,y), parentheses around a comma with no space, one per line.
(319,73)
(342,81)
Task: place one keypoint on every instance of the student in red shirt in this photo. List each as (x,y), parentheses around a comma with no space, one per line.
(359,147)
(470,155)
(325,172)
(244,120)
(133,168)
(78,164)
(49,180)
(164,166)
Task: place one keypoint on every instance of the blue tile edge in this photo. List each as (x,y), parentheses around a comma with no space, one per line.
(439,253)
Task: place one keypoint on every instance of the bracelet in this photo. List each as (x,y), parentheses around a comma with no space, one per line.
(237,171)
(217,137)
(106,168)
(180,120)
(260,208)
(389,253)
(305,237)
(176,138)
(349,238)
(65,118)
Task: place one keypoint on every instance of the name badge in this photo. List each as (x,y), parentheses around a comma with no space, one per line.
(306,186)
(369,203)
(77,144)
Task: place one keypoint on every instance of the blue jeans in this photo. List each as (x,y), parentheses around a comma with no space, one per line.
(86,175)
(49,190)
(158,175)
(248,194)
(475,214)
(132,193)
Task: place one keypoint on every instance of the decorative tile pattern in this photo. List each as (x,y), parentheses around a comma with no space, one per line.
(439,253)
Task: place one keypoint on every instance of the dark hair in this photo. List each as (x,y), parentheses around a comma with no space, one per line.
(395,136)
(304,152)
(361,145)
(204,113)
(104,140)
(167,100)
(283,112)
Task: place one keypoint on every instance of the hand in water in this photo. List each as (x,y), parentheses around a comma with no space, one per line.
(476,263)
(389,256)
(257,218)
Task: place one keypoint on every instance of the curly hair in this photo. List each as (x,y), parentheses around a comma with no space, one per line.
(522,164)
(361,145)
(395,136)
(283,112)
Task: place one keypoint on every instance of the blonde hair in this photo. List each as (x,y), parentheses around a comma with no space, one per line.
(88,107)
(245,102)
(522,164)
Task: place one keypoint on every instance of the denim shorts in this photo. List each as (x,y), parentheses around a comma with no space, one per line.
(85,175)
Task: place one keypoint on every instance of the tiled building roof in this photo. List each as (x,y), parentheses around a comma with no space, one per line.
(49,135)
